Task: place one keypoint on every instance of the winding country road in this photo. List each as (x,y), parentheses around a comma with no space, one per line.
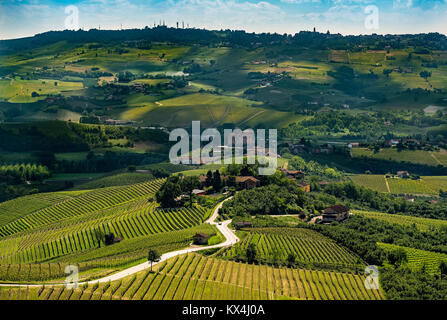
(229,235)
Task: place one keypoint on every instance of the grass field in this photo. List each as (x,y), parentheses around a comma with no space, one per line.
(392,154)
(194,277)
(310,248)
(20,91)
(419,258)
(423,224)
(374,182)
(407,186)
(425,185)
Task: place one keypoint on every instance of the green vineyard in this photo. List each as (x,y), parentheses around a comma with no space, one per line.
(120,179)
(102,261)
(15,209)
(309,247)
(68,226)
(87,202)
(374,182)
(417,259)
(194,277)
(423,224)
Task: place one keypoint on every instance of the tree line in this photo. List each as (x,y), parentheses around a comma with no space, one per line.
(18,173)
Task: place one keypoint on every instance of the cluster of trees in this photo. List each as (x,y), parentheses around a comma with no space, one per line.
(241,169)
(109,161)
(280,195)
(126,76)
(361,235)
(59,74)
(106,238)
(379,166)
(250,255)
(8,191)
(53,136)
(371,125)
(193,68)
(18,173)
(269,200)
(314,168)
(363,198)
(169,194)
(405,284)
(60,136)
(99,135)
(213,180)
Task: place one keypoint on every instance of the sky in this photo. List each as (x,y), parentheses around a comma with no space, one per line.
(22,18)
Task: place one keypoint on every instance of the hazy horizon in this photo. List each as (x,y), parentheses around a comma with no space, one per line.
(319,31)
(26,18)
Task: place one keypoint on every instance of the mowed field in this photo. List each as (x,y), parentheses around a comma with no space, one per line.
(423,224)
(195,277)
(20,91)
(425,185)
(210,109)
(417,259)
(414,156)
(309,247)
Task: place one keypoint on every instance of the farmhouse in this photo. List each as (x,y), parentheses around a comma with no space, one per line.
(403,174)
(202,179)
(119,122)
(201,238)
(294,174)
(335,213)
(323,184)
(243,182)
(248,182)
(411,142)
(298,148)
(198,192)
(353,145)
(304,186)
(392,142)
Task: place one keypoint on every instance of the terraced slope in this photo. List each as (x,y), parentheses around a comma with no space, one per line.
(102,261)
(310,248)
(68,227)
(15,209)
(423,224)
(418,259)
(84,203)
(194,277)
